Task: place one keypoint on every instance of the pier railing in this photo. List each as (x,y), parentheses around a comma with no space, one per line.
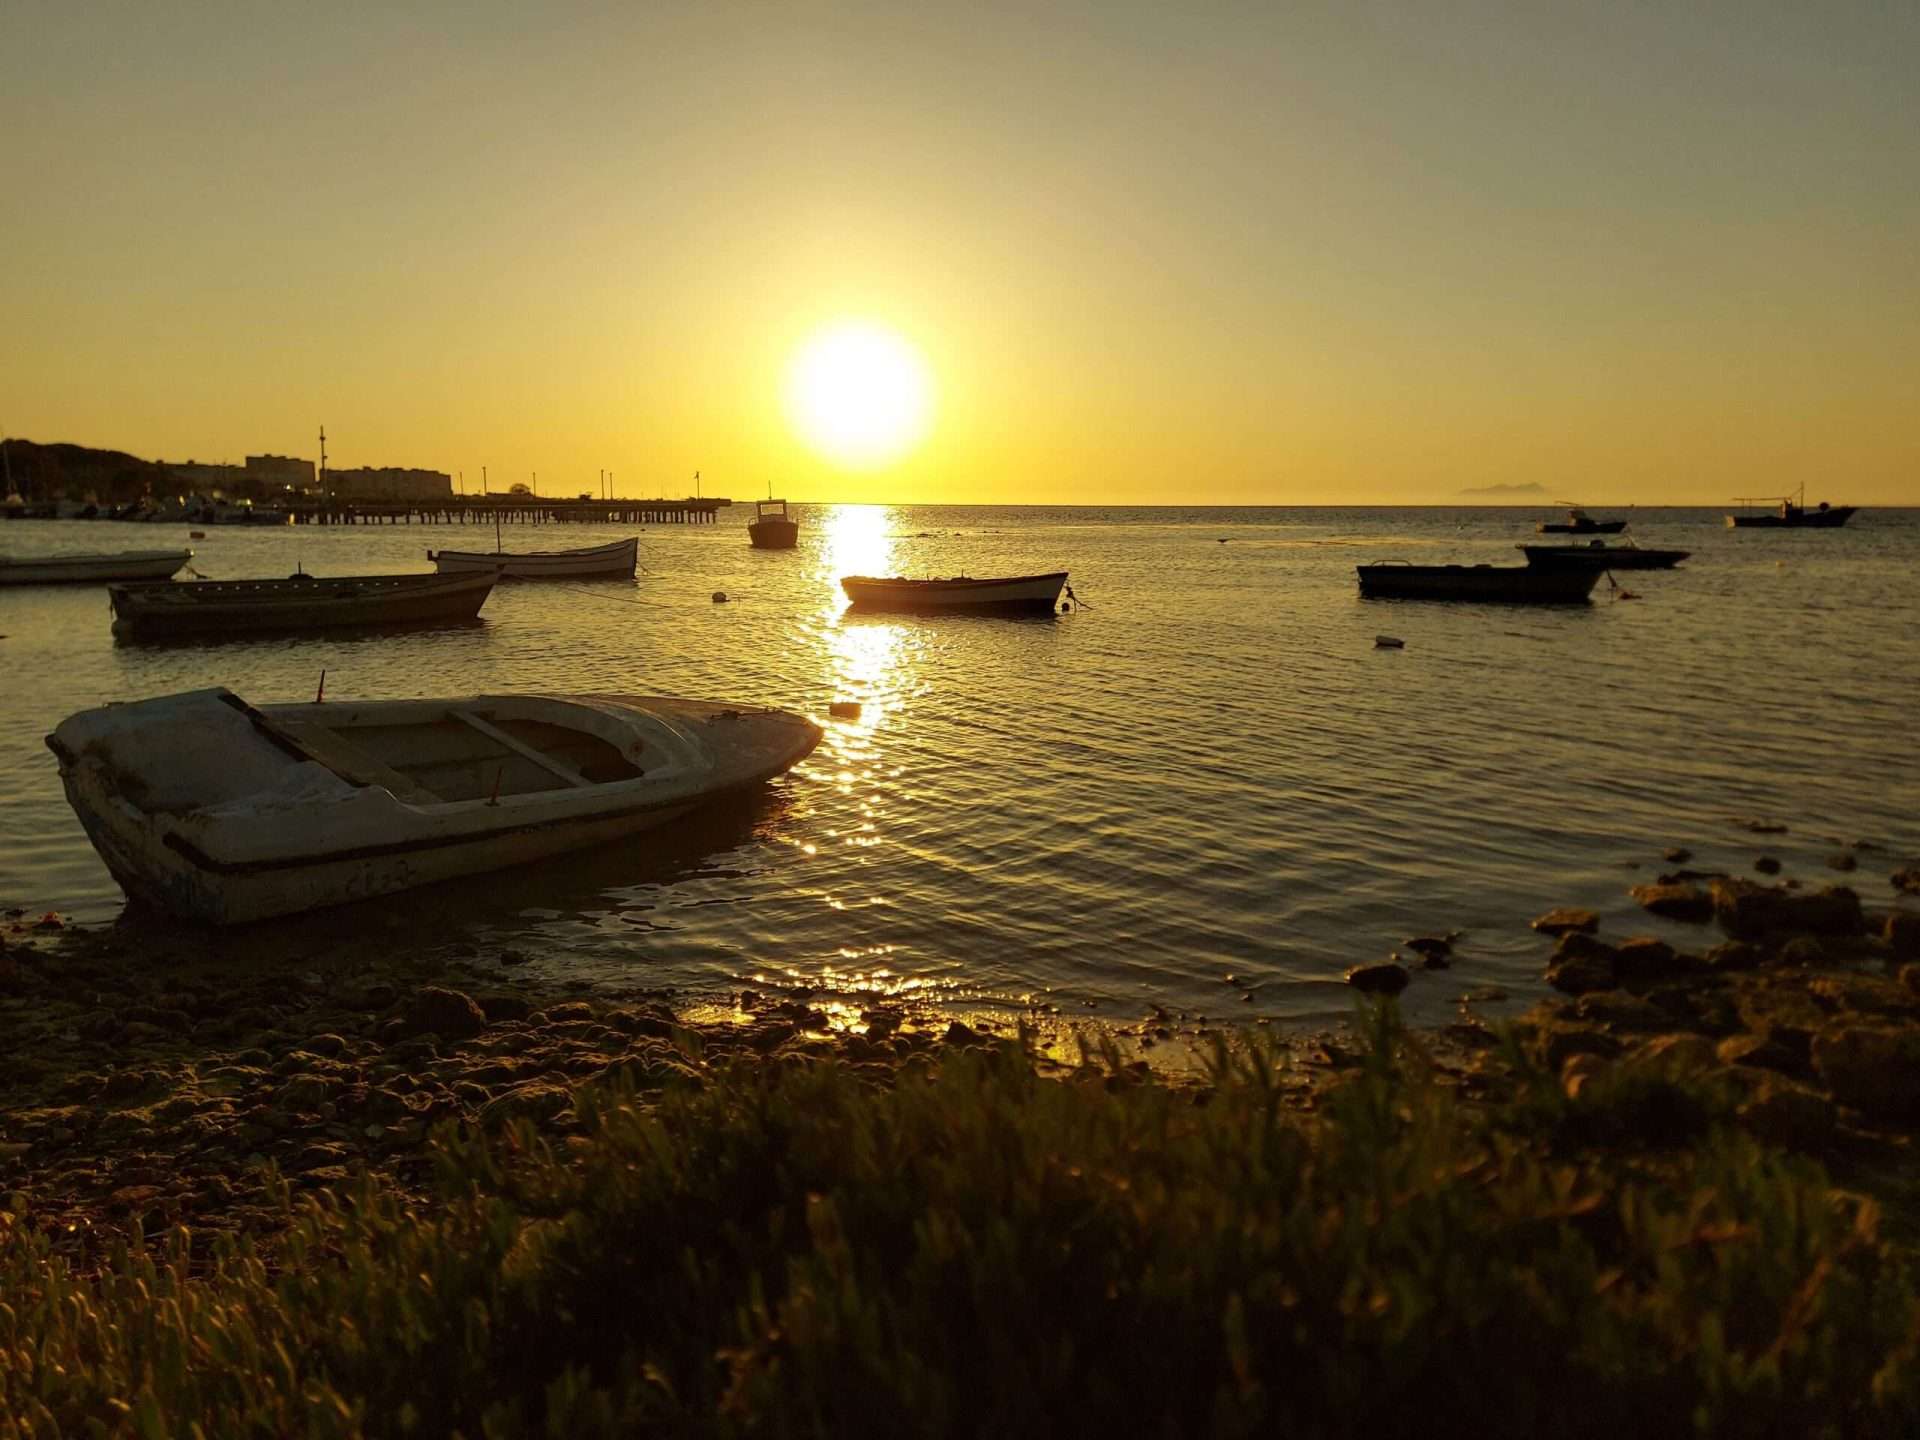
(519,510)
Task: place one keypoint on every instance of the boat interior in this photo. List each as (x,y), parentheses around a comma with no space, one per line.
(473,753)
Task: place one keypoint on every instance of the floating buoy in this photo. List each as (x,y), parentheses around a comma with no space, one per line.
(844,709)
(719,597)
(1388,642)
(196,534)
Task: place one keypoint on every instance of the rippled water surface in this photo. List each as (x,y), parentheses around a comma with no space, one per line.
(1210,770)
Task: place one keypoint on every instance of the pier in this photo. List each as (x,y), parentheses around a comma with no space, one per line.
(504,510)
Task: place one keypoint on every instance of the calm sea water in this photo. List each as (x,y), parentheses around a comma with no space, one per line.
(1210,771)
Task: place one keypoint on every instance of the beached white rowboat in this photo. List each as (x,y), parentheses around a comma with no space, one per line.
(617,558)
(92,569)
(212,809)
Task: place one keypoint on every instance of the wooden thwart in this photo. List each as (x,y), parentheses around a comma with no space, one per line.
(520,747)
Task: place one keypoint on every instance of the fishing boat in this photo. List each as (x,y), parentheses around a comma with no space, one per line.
(1578,522)
(304,602)
(1791,513)
(1504,584)
(1009,595)
(1602,556)
(213,809)
(773,526)
(92,569)
(616,558)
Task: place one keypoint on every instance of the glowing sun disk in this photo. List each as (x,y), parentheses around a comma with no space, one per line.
(858,394)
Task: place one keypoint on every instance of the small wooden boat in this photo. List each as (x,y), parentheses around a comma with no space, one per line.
(305,602)
(1578,522)
(1603,556)
(773,526)
(212,809)
(1009,595)
(1792,513)
(1504,584)
(92,569)
(617,558)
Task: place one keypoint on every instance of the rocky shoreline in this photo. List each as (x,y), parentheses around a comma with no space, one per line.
(148,1083)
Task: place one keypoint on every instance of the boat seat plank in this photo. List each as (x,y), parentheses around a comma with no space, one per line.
(347,760)
(520,747)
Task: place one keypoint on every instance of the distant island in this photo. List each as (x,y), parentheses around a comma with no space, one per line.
(1531,488)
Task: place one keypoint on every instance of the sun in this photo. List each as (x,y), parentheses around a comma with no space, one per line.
(858,394)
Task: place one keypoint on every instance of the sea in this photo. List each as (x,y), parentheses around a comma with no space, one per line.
(1206,791)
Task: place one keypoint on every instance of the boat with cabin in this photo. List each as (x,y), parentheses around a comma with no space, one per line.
(302,602)
(1579,522)
(213,809)
(1006,595)
(1602,556)
(123,565)
(773,526)
(618,557)
(1790,513)
(1502,584)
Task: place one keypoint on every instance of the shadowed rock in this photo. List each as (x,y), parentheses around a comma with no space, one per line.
(1751,911)
(450,1013)
(1580,963)
(1384,978)
(1565,919)
(1876,1071)
(1674,902)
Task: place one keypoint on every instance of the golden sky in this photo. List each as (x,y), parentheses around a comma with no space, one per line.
(1262,253)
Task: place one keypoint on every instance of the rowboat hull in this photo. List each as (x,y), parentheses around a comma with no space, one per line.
(1499,584)
(1604,557)
(94,569)
(1591,527)
(291,822)
(1013,595)
(228,607)
(618,558)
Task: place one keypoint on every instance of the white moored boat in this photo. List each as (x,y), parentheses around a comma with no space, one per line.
(212,809)
(618,558)
(92,569)
(1016,594)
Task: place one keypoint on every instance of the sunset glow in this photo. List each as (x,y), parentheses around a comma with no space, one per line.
(858,394)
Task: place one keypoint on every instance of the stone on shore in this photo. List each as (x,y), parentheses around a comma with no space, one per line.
(1907,879)
(1674,902)
(447,1013)
(1902,933)
(1789,1115)
(1875,1071)
(1565,919)
(1383,978)
(1580,964)
(1750,912)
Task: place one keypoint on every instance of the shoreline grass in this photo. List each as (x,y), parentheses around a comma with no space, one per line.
(817,1247)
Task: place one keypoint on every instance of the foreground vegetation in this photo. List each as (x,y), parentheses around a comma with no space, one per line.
(969,1247)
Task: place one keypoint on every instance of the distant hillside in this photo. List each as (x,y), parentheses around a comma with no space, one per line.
(1503,492)
(45,472)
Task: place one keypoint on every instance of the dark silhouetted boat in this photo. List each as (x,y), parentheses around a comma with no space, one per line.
(773,526)
(305,602)
(1008,595)
(1602,556)
(213,809)
(1790,513)
(618,557)
(1578,522)
(1504,584)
